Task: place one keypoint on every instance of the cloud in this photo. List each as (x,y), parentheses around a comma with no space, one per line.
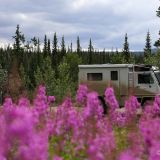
(105,21)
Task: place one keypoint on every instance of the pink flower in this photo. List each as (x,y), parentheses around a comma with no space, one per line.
(51,99)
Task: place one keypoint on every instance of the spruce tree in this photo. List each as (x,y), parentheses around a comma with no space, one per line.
(55,44)
(78,46)
(45,48)
(63,49)
(126,52)
(104,56)
(158,11)
(71,47)
(19,40)
(147,49)
(157,43)
(35,42)
(49,47)
(55,54)
(90,52)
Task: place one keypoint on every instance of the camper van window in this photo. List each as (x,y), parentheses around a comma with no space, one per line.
(94,76)
(145,79)
(114,75)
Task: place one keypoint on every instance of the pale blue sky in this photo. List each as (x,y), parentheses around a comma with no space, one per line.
(105,21)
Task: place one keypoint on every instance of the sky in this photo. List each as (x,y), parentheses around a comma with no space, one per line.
(104,21)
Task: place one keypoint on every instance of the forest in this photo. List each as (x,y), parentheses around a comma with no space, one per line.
(27,64)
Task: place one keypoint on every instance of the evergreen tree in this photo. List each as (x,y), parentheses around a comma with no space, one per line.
(19,40)
(78,46)
(69,50)
(71,47)
(25,78)
(147,49)
(45,48)
(90,52)
(38,76)
(3,82)
(157,43)
(38,45)
(55,44)
(49,47)
(63,49)
(35,42)
(158,11)
(126,52)
(55,54)
(104,56)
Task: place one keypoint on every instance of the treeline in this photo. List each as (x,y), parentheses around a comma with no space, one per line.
(30,63)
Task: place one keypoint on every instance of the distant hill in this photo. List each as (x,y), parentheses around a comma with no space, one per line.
(142,52)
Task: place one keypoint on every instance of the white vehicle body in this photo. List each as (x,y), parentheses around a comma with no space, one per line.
(142,81)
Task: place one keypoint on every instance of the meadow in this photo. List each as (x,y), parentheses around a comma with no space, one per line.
(78,129)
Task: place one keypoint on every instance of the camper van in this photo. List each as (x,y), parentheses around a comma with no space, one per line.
(143,81)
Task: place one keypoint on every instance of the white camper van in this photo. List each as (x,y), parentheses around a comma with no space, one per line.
(142,81)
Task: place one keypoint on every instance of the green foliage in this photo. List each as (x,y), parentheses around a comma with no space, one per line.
(45,48)
(19,40)
(25,78)
(117,58)
(153,59)
(157,43)
(78,46)
(90,52)
(38,76)
(46,75)
(147,49)
(126,52)
(3,77)
(73,60)
(121,137)
(63,48)
(63,82)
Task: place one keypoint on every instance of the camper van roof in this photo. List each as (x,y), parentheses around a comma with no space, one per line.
(106,66)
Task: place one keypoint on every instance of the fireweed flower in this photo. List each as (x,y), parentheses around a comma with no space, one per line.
(132,104)
(101,146)
(36,148)
(93,107)
(154,152)
(157,100)
(8,103)
(82,93)
(40,102)
(111,99)
(119,118)
(28,130)
(136,143)
(128,155)
(156,107)
(57,158)
(23,102)
(20,133)
(51,99)
(150,130)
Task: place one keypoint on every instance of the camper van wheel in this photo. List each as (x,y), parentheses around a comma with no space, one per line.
(104,105)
